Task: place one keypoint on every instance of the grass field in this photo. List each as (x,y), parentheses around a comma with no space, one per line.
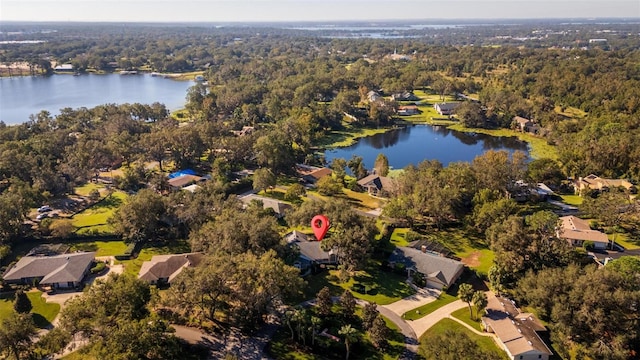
(463,314)
(43,313)
(471,248)
(399,237)
(574,200)
(102,248)
(485,343)
(93,220)
(381,287)
(426,309)
(347,137)
(624,240)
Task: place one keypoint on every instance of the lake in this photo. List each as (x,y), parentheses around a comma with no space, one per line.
(23,96)
(413,144)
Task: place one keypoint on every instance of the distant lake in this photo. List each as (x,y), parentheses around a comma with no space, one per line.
(413,144)
(23,96)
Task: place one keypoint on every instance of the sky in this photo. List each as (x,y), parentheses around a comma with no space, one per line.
(309,10)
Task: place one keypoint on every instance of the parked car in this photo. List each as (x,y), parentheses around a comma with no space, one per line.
(42,216)
(44,208)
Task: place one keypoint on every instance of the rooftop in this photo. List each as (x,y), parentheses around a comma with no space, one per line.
(167,266)
(53,269)
(433,266)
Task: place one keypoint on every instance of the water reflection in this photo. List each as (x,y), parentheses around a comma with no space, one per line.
(413,144)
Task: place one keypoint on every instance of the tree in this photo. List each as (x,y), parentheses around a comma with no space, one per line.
(381,165)
(369,314)
(263,179)
(350,335)
(338,165)
(347,304)
(139,217)
(453,345)
(329,186)
(315,325)
(276,152)
(357,167)
(545,171)
(22,304)
(294,192)
(465,293)
(52,342)
(480,302)
(471,114)
(16,334)
(379,333)
(324,302)
(62,228)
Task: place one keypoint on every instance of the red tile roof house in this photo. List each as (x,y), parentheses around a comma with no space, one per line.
(516,332)
(577,231)
(406,110)
(64,271)
(162,269)
(311,174)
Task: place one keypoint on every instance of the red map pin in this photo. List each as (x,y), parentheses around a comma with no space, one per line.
(320,225)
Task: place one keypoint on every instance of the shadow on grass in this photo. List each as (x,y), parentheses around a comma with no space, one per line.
(109,202)
(41,321)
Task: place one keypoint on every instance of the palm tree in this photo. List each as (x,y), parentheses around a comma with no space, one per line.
(288,319)
(465,293)
(480,301)
(315,324)
(349,336)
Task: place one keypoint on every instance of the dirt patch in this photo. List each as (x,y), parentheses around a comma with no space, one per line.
(473,260)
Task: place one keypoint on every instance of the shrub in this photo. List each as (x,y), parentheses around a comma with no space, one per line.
(100,266)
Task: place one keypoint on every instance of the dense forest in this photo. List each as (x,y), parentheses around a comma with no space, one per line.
(296,87)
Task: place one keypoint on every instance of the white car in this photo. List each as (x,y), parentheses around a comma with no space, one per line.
(44,208)
(42,216)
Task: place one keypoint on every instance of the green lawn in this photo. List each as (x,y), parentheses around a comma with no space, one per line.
(623,239)
(470,247)
(94,219)
(133,266)
(486,343)
(480,260)
(574,200)
(463,314)
(43,313)
(361,200)
(399,237)
(85,189)
(424,310)
(102,248)
(347,137)
(381,287)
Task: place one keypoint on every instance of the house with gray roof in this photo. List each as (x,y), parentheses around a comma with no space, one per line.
(311,252)
(278,207)
(438,271)
(60,271)
(162,269)
(446,108)
(378,185)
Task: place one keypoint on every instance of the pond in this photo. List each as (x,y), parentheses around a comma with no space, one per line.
(413,144)
(23,96)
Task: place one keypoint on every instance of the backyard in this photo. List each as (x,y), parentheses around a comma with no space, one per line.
(93,220)
(43,313)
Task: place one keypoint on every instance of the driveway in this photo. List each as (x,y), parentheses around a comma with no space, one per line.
(421,325)
(421,297)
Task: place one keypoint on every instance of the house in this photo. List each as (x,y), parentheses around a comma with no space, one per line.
(577,231)
(404,96)
(526,125)
(311,251)
(438,271)
(516,332)
(446,108)
(59,271)
(278,207)
(378,185)
(594,182)
(64,68)
(162,269)
(373,96)
(184,181)
(311,174)
(246,130)
(406,110)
